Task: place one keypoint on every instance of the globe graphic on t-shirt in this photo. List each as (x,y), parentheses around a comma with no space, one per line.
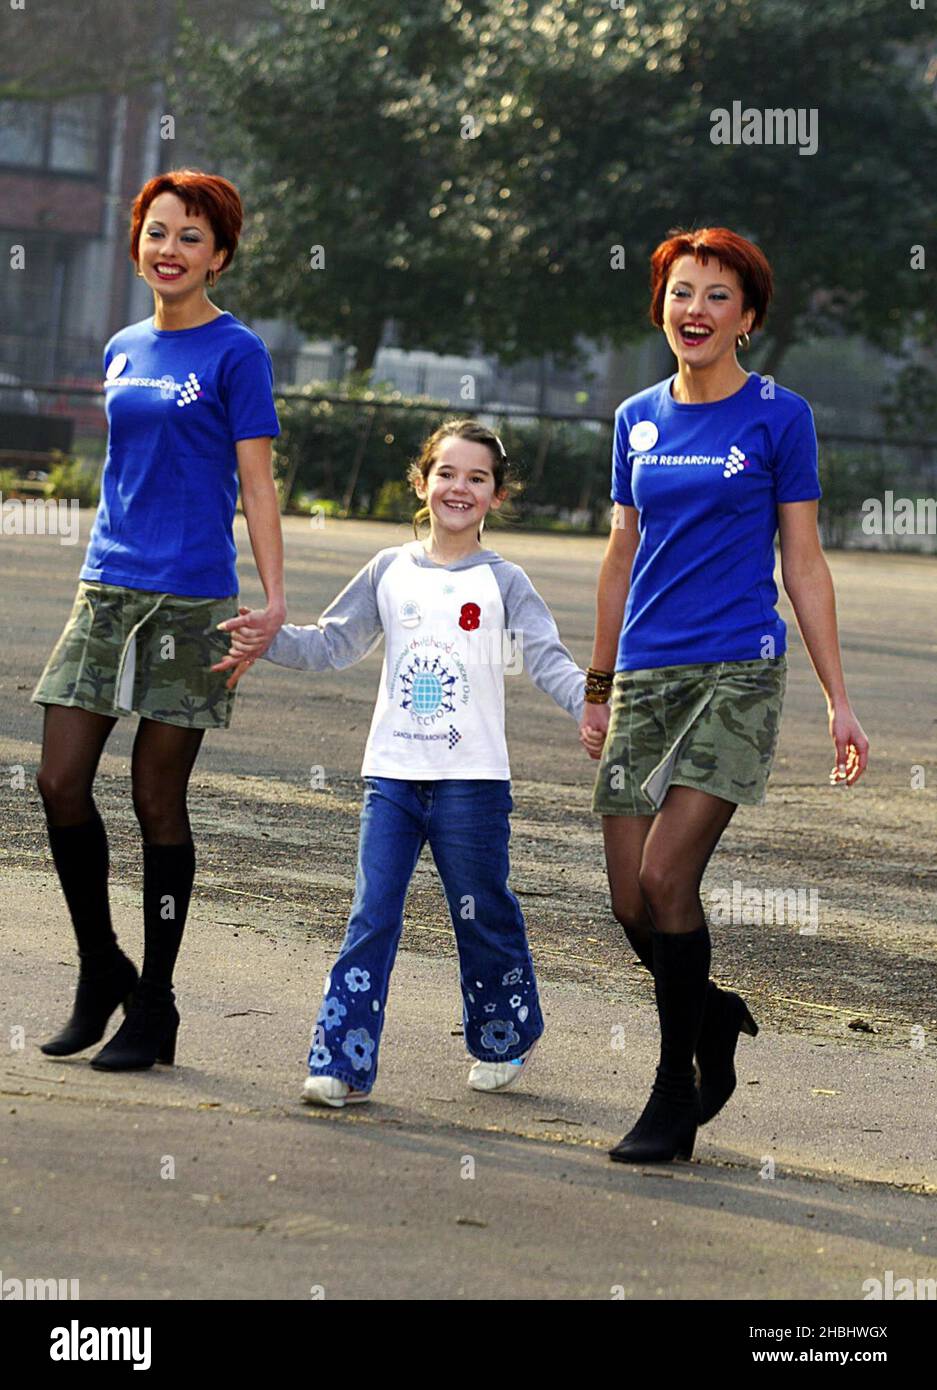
(426,694)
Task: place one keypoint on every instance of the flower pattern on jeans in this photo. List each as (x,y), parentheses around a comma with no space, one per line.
(358,1047)
(501,1016)
(332,1013)
(499,1035)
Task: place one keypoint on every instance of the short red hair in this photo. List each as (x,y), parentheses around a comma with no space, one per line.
(730,250)
(209,194)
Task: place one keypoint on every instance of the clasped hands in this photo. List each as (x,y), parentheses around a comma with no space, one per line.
(251,631)
(593,726)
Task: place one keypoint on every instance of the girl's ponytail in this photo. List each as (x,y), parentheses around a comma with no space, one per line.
(418,518)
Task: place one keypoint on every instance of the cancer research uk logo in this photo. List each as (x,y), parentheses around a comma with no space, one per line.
(644,435)
(188,391)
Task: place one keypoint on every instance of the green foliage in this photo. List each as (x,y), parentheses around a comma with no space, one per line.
(909,405)
(396,501)
(68,477)
(346,450)
(848,475)
(307,504)
(360,457)
(467,171)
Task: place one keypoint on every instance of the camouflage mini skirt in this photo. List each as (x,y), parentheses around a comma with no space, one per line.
(713,726)
(133,650)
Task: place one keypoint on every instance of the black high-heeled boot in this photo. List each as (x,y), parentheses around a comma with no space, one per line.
(726,1015)
(147,1034)
(666,1127)
(105,980)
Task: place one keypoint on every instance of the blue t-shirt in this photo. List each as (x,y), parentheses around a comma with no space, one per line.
(706,481)
(177,401)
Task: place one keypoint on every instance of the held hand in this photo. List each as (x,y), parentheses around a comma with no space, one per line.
(851,744)
(593,727)
(252,631)
(241,668)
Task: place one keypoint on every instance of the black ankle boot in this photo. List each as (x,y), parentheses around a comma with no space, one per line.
(104,982)
(726,1016)
(666,1128)
(147,1034)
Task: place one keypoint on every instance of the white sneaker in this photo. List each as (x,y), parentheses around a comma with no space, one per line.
(498,1076)
(329,1090)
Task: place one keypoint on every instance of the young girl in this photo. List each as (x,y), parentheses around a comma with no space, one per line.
(435,766)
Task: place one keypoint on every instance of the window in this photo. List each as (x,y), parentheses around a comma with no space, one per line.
(61,136)
(22,132)
(75,135)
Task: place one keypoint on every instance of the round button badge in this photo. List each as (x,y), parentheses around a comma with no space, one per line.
(116,366)
(643,436)
(409,613)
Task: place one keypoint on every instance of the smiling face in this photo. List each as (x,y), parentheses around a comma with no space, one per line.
(177,249)
(703,314)
(460,486)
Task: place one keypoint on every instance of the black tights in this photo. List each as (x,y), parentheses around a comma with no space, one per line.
(655,870)
(656,864)
(163,758)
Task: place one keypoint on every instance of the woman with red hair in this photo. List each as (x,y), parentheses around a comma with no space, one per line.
(708,465)
(190,410)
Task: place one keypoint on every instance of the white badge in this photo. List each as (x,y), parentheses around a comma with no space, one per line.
(643,436)
(409,613)
(116,366)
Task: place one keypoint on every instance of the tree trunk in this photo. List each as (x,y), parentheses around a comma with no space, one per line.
(363,438)
(367,345)
(782,337)
(776,354)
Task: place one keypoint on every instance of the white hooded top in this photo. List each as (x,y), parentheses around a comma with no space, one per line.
(452,632)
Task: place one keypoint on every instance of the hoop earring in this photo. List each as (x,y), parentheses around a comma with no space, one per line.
(743,345)
(212,277)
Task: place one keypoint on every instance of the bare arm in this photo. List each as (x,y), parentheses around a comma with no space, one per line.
(611,597)
(262,513)
(809,586)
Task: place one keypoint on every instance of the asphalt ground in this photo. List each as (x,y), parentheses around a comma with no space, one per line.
(819,1173)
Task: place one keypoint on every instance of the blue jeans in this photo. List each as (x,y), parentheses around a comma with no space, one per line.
(467,826)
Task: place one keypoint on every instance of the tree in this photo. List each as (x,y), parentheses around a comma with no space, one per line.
(468,173)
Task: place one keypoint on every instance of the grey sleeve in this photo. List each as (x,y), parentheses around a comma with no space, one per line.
(346,632)
(548,663)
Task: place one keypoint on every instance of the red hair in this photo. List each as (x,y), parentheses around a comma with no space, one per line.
(731,251)
(209,194)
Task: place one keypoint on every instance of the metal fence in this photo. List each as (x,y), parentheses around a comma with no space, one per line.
(878,493)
